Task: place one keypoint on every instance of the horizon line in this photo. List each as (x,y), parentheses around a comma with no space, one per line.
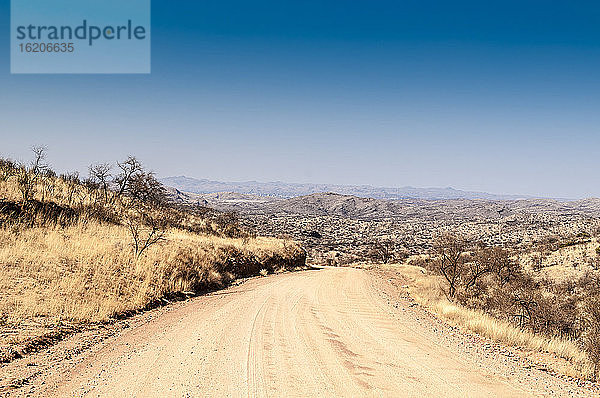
(476,192)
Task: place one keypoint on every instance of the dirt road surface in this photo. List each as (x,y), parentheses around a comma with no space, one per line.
(319,333)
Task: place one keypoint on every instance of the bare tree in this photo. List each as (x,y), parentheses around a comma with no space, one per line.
(138,183)
(450,252)
(38,164)
(7,169)
(129,168)
(27,178)
(72,181)
(100,174)
(26,183)
(502,265)
(480,266)
(144,187)
(145,231)
(489,260)
(384,250)
(524,309)
(47,187)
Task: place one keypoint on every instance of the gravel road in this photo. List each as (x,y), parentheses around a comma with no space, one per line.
(335,332)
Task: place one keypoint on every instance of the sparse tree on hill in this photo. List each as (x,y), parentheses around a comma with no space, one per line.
(144,187)
(27,178)
(503,265)
(26,184)
(129,168)
(100,174)
(476,269)
(38,164)
(490,260)
(450,252)
(138,183)
(146,231)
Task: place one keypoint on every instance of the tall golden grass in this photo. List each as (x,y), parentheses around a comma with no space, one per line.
(87,272)
(58,278)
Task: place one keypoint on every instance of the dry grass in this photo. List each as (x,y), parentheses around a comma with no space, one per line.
(89,273)
(426,289)
(565,264)
(54,279)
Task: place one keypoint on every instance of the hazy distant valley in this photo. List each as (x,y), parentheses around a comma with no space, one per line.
(344,228)
(289,190)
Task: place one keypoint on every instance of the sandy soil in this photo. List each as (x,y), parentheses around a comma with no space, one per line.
(321,333)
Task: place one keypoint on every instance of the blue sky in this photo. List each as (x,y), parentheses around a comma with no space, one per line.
(500,97)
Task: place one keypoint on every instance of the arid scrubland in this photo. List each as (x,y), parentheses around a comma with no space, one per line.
(76,252)
(561,355)
(340,229)
(544,300)
(523,273)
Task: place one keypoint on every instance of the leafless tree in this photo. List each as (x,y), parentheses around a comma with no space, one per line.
(137,183)
(450,253)
(129,168)
(476,269)
(144,187)
(26,183)
(490,260)
(145,231)
(38,164)
(503,265)
(524,307)
(47,188)
(100,173)
(7,169)
(384,250)
(72,181)
(27,178)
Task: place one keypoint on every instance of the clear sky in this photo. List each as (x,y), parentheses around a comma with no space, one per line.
(499,96)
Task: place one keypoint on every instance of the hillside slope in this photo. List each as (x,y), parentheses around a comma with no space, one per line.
(76,254)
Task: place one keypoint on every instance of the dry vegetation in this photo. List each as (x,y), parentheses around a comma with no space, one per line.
(77,252)
(496,292)
(524,272)
(342,230)
(563,355)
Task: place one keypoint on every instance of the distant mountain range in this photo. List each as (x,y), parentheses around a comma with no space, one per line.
(290,190)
